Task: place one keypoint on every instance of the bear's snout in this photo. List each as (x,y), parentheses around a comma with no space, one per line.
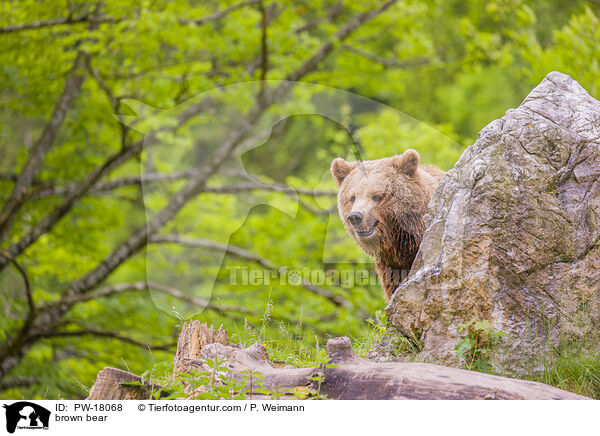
(355,218)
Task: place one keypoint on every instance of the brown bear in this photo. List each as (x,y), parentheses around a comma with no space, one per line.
(381,203)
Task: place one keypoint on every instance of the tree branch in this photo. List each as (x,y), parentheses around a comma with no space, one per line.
(70,90)
(206,243)
(264,50)
(105,334)
(79,190)
(219,14)
(167,290)
(42,145)
(323,212)
(10,177)
(89,18)
(341,35)
(114,101)
(13,348)
(18,382)
(46,23)
(48,221)
(333,13)
(248,255)
(288,190)
(26,282)
(252,186)
(111,185)
(388,63)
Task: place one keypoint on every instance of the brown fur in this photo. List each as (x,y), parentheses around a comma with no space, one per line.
(405,189)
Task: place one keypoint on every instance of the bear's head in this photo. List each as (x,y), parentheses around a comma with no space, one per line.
(381,202)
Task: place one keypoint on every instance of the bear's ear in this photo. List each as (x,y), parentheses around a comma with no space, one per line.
(341,168)
(408,162)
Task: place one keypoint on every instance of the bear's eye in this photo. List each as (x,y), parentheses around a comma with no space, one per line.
(377,198)
(353,198)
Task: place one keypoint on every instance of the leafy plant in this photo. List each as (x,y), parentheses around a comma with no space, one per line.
(319,377)
(475,348)
(376,327)
(384,339)
(214,383)
(378,324)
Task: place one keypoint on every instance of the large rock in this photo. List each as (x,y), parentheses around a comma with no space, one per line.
(513,235)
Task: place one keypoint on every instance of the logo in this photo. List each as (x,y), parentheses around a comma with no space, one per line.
(26,415)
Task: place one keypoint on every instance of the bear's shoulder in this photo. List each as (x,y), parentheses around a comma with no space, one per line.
(430,176)
(433,171)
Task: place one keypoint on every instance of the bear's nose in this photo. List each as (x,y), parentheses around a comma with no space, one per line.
(355,218)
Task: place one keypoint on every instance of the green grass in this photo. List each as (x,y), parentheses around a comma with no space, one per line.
(575,372)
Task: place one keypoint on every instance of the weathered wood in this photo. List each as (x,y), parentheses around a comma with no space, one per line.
(351,378)
(358,379)
(109,386)
(255,358)
(193,338)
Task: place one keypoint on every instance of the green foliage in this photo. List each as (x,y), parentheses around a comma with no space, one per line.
(391,132)
(218,383)
(319,377)
(215,384)
(572,50)
(475,348)
(380,337)
(375,328)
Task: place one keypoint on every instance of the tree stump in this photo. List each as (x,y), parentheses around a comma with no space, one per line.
(192,339)
(109,386)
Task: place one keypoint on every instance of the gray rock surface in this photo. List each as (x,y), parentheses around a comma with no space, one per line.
(513,235)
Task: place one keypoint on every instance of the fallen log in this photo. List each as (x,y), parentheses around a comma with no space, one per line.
(346,377)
